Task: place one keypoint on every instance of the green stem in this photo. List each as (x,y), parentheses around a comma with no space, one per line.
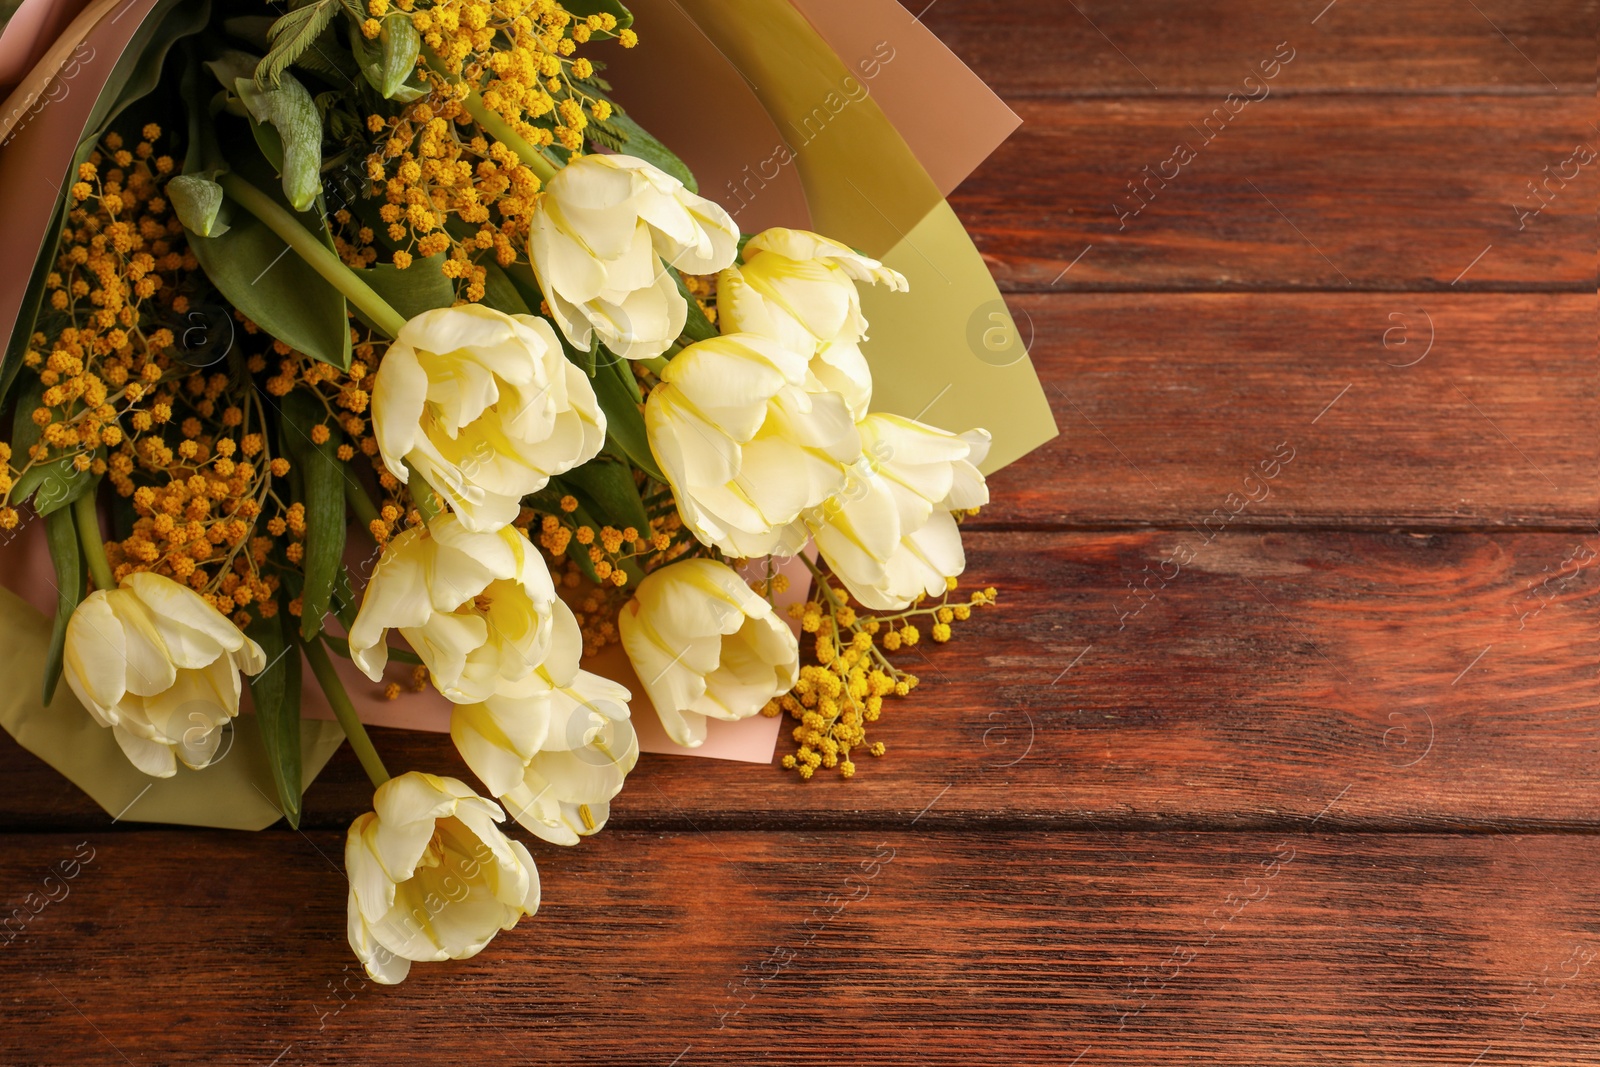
(820,581)
(659,363)
(501,131)
(361,503)
(493,124)
(317,255)
(94,548)
(345,712)
(427,500)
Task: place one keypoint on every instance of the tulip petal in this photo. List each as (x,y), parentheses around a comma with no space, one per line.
(399,394)
(151,757)
(381,965)
(194,632)
(95,655)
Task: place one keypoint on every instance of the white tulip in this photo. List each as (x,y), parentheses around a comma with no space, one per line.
(485,407)
(479,608)
(567,786)
(555,747)
(890,535)
(160,666)
(705,645)
(748,440)
(597,236)
(431,876)
(799,288)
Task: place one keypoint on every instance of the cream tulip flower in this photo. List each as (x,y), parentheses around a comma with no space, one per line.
(555,747)
(160,667)
(890,535)
(597,236)
(566,789)
(748,441)
(479,608)
(705,645)
(485,407)
(431,876)
(799,288)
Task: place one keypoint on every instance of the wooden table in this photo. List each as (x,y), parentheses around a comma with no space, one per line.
(1245,770)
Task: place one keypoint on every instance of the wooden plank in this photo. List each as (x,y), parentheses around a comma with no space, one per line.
(1121,949)
(1420,410)
(1424,680)
(1136,47)
(1339,193)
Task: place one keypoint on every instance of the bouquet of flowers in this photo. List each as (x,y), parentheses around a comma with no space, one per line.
(383,332)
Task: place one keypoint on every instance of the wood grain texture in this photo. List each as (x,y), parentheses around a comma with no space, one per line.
(1339,193)
(1273,671)
(1419,410)
(688,949)
(1136,47)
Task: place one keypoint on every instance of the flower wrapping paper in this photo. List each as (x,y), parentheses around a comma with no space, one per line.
(851,118)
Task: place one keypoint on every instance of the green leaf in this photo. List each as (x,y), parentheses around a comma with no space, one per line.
(371,57)
(585,8)
(253,30)
(256,273)
(291,36)
(24,431)
(618,393)
(276,695)
(328,58)
(345,605)
(196,199)
(323,475)
(57,482)
(610,485)
(138,70)
(61,532)
(500,293)
(643,144)
(52,485)
(696,326)
(420,287)
(252,267)
(607,135)
(292,116)
(399,45)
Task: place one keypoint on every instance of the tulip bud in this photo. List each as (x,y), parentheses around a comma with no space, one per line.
(705,645)
(160,666)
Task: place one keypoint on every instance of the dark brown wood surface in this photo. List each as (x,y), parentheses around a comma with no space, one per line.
(892,946)
(1301,776)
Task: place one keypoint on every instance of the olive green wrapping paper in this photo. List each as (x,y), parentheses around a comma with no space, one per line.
(235,793)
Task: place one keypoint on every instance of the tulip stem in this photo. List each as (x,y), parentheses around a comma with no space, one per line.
(345,712)
(94,548)
(360,503)
(318,256)
(501,131)
(427,500)
(493,124)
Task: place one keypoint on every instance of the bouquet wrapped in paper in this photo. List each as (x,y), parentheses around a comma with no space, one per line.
(543,373)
